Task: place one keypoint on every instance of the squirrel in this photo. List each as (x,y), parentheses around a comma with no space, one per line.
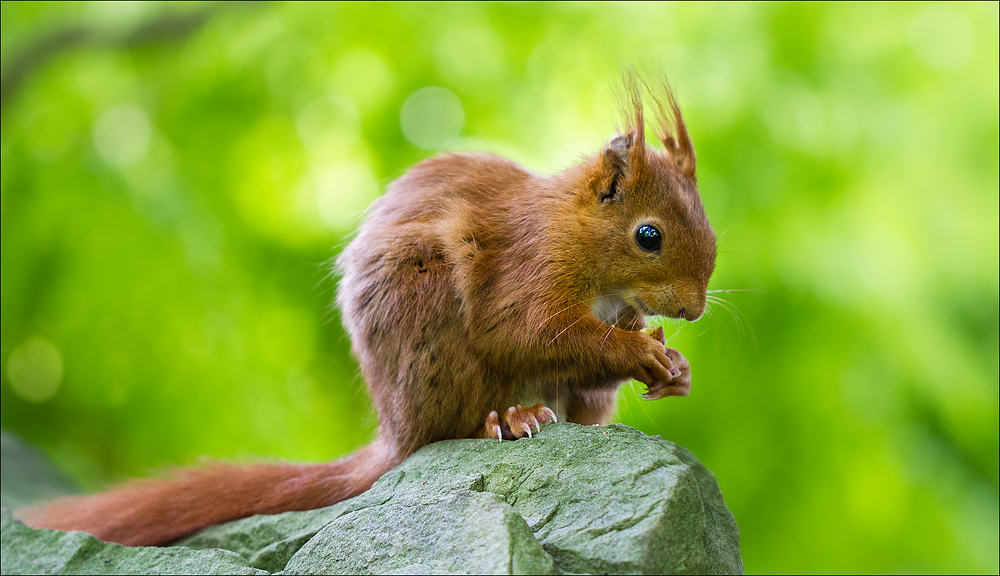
(475,288)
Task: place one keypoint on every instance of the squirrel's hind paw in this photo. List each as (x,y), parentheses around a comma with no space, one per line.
(492,429)
(516,422)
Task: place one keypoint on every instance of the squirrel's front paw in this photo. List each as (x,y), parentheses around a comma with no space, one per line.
(517,422)
(665,371)
(679,385)
(653,365)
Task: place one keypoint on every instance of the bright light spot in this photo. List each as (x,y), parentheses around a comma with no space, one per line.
(431,117)
(941,36)
(118,16)
(35,369)
(367,77)
(121,135)
(343,191)
(469,54)
(329,126)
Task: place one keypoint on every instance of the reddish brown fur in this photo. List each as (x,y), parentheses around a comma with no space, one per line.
(153,512)
(472,286)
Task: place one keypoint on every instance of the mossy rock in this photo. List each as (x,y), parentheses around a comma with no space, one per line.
(573,499)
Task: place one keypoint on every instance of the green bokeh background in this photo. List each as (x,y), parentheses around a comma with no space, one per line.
(170,203)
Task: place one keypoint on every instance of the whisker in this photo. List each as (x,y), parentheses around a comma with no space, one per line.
(719,303)
(556,337)
(544,322)
(743,323)
(676,332)
(607,335)
(727,306)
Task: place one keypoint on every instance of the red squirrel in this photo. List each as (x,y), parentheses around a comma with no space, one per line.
(475,288)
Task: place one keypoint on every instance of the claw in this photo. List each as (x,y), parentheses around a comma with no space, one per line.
(517,422)
(550,414)
(535,421)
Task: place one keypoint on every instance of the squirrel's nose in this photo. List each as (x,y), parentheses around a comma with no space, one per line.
(690,316)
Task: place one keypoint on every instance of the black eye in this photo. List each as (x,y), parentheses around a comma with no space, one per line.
(648,238)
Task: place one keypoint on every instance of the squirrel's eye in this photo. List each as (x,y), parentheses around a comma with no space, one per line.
(648,238)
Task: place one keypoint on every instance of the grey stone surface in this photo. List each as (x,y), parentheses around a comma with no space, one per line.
(266,542)
(574,499)
(447,527)
(27,476)
(30,551)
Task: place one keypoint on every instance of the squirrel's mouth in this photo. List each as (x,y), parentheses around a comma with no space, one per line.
(639,304)
(681,313)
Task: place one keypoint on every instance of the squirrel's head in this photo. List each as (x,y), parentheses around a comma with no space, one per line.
(641,206)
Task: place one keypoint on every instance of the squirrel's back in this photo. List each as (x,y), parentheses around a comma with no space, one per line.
(436,187)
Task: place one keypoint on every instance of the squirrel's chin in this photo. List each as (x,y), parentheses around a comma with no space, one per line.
(640,305)
(680,314)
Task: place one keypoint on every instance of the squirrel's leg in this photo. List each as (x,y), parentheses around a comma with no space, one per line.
(592,407)
(588,350)
(410,334)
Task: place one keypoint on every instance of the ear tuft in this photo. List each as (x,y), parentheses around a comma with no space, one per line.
(672,130)
(670,127)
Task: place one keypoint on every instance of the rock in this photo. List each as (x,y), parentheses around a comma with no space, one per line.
(267,542)
(27,476)
(449,527)
(575,499)
(30,551)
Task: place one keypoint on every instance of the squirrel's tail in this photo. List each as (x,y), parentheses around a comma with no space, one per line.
(157,512)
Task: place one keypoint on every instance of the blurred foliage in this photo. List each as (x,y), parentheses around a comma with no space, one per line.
(169,208)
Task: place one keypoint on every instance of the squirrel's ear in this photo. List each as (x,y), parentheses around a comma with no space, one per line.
(613,161)
(679,147)
(621,145)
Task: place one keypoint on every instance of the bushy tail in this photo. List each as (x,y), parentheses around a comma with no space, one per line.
(157,512)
